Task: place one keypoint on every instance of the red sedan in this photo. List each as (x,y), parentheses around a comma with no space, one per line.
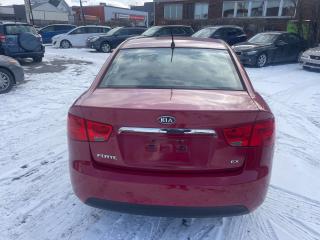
(171,129)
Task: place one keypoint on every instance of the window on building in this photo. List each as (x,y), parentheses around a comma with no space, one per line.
(242,9)
(289,8)
(273,7)
(201,11)
(188,9)
(228,9)
(173,11)
(257,8)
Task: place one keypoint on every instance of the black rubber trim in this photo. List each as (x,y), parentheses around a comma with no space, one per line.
(167,211)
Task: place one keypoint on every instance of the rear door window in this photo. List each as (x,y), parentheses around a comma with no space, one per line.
(48,29)
(94,30)
(18,29)
(153,68)
(81,30)
(105,30)
(178,31)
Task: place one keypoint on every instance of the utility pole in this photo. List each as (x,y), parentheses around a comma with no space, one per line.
(27,7)
(31,13)
(82,13)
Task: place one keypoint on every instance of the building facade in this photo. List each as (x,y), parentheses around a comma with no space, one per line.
(253,15)
(109,15)
(147,7)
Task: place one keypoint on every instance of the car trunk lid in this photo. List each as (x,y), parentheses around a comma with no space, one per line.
(193,141)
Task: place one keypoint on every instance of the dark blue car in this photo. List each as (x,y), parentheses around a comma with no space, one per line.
(105,43)
(52,30)
(229,34)
(20,40)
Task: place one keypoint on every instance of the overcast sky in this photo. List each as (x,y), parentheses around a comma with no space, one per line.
(119,3)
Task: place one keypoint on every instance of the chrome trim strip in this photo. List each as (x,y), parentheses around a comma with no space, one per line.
(168,131)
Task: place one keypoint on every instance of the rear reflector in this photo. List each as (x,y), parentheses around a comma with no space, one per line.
(2,38)
(84,130)
(251,135)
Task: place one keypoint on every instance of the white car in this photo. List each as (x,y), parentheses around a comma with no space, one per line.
(77,37)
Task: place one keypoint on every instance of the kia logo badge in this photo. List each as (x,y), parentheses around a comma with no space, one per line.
(166,120)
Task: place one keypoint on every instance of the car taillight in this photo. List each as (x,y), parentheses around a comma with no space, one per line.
(98,132)
(77,128)
(263,133)
(84,130)
(251,135)
(2,38)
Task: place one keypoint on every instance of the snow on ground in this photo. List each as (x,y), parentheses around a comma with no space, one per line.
(36,199)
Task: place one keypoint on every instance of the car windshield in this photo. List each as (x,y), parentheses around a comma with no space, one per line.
(18,29)
(189,68)
(113,31)
(151,31)
(204,33)
(263,38)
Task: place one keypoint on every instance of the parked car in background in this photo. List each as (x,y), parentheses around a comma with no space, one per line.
(270,47)
(112,39)
(229,34)
(167,30)
(310,59)
(77,37)
(11,73)
(50,31)
(20,40)
(171,133)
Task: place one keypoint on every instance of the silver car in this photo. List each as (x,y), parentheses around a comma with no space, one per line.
(310,59)
(11,73)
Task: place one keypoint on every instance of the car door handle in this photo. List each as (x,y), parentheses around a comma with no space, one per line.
(184,131)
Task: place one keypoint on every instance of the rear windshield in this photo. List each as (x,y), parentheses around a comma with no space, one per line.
(17,29)
(189,69)
(151,31)
(204,33)
(263,38)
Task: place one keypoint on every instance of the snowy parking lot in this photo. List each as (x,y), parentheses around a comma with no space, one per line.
(36,199)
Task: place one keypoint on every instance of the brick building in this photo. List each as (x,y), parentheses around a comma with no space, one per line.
(109,15)
(253,15)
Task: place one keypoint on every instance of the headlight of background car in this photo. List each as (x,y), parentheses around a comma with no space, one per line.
(251,53)
(304,55)
(94,39)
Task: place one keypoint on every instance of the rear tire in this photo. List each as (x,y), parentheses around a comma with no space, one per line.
(65,44)
(37,59)
(262,60)
(105,47)
(6,81)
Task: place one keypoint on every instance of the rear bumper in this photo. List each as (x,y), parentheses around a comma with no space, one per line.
(182,195)
(167,211)
(26,54)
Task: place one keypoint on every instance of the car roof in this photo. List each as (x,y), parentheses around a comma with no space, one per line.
(60,24)
(10,23)
(94,26)
(173,26)
(180,42)
(224,26)
(275,32)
